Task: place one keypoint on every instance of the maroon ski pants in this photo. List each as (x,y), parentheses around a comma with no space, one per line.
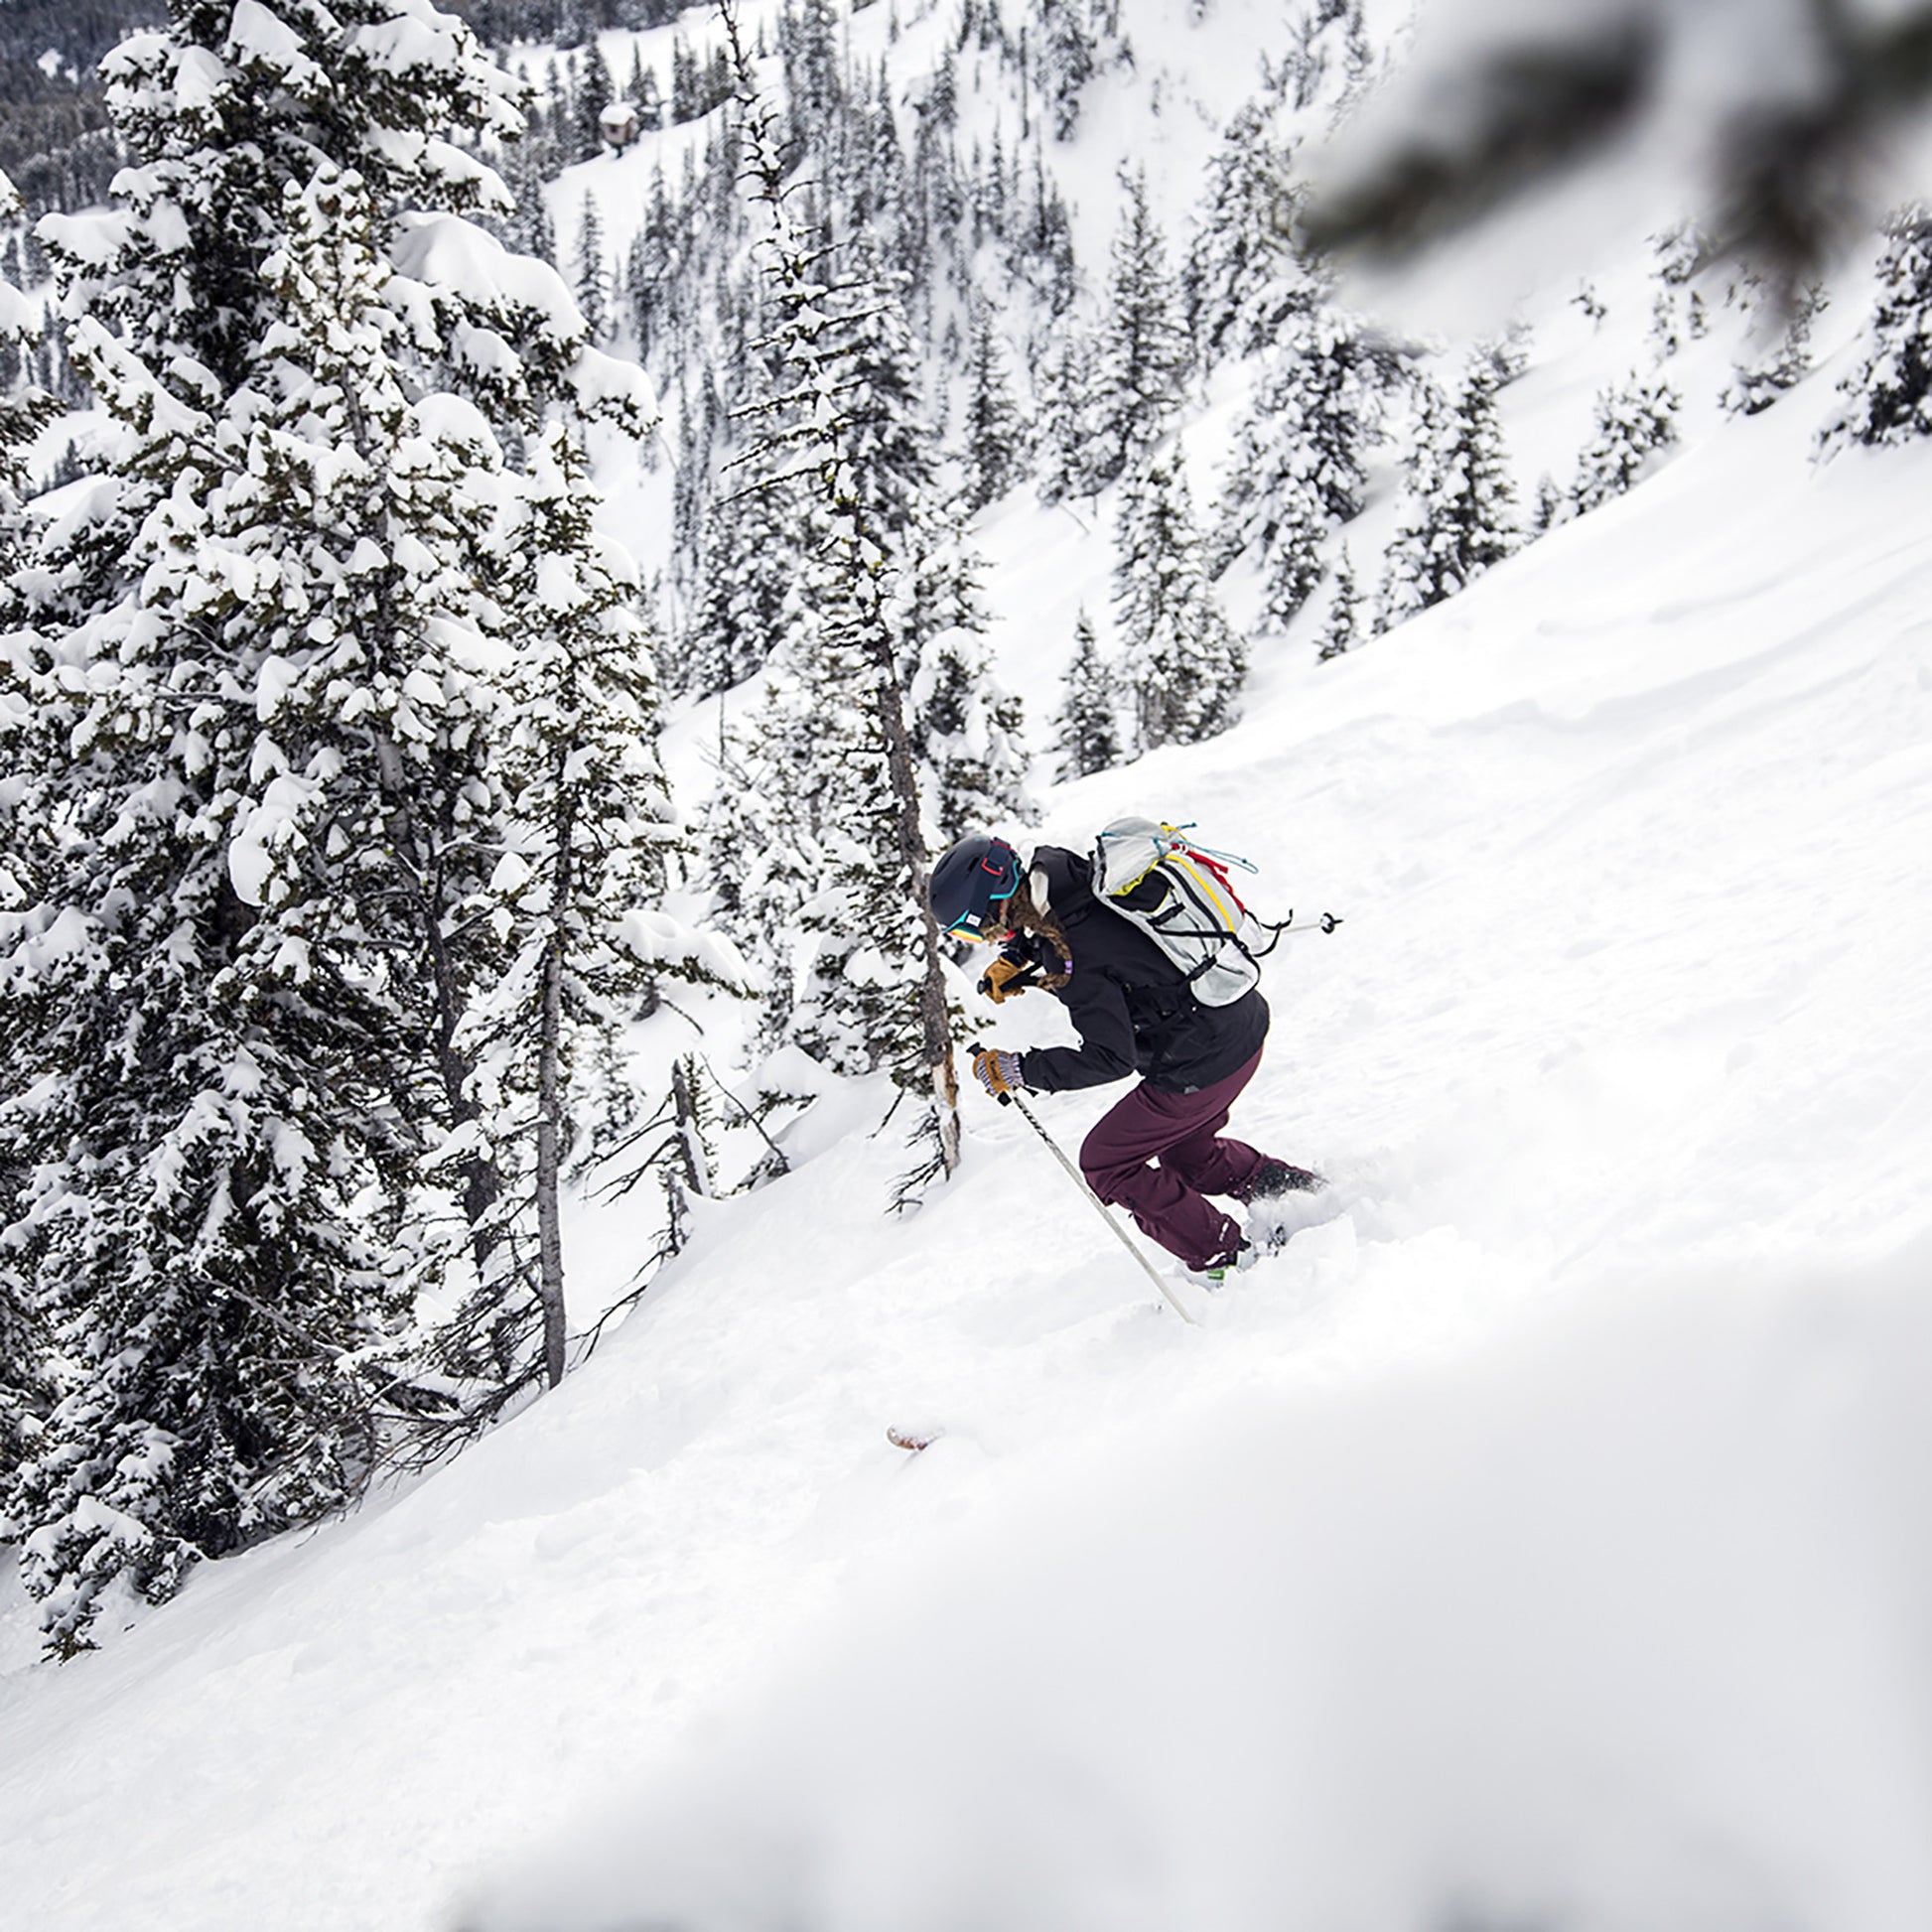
(1158,1154)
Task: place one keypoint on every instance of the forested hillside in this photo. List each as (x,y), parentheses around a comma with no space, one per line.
(523,532)
(526,531)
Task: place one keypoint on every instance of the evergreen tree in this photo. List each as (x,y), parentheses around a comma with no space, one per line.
(259,698)
(593,283)
(1461,515)
(1183,665)
(24,410)
(199,1251)
(1329,55)
(648,97)
(1553,505)
(595,93)
(586,826)
(879,199)
(858,464)
(814,68)
(1066,62)
(1889,396)
(1677,314)
(527,227)
(760,839)
(24,1372)
(752,591)
(1065,417)
(1042,251)
(1089,719)
(654,269)
(1784,362)
(1143,353)
(1342,625)
(995,437)
(688,99)
(1299,469)
(1241,281)
(1633,423)
(968,735)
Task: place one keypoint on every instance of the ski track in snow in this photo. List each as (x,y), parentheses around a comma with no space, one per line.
(1540,1538)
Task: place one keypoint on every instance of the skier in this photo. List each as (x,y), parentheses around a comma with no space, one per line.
(1158,1152)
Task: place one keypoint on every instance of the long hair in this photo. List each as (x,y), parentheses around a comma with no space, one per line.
(1026,915)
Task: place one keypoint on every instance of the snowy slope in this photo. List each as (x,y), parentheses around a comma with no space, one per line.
(1539,1543)
(1540,1538)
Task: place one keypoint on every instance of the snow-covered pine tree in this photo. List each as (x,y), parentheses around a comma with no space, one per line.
(1299,466)
(1181,662)
(1342,628)
(595,92)
(258,672)
(814,71)
(215,1097)
(1241,279)
(591,285)
(969,737)
(1065,415)
(1633,423)
(1554,505)
(1143,354)
(877,196)
(1461,517)
(756,835)
(751,593)
(1889,396)
(526,227)
(1329,55)
(25,1381)
(587,827)
(1040,251)
(646,94)
(651,269)
(687,84)
(1089,719)
(1066,61)
(857,459)
(678,1143)
(24,411)
(994,436)
(1783,360)
(1677,311)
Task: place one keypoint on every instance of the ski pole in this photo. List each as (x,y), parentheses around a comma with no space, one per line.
(1080,1181)
(1279,929)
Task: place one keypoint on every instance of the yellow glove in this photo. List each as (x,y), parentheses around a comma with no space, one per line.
(997,1072)
(997,980)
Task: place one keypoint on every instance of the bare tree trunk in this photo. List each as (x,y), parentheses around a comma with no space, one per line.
(934,1025)
(692,1157)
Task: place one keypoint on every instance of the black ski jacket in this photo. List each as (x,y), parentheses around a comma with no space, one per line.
(1128,1001)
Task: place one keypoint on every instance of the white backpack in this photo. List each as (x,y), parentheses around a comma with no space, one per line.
(1181,898)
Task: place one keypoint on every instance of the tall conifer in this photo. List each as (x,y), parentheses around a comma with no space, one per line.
(260,687)
(1184,664)
(1142,356)
(1889,396)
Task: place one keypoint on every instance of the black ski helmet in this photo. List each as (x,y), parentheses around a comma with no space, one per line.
(970,879)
